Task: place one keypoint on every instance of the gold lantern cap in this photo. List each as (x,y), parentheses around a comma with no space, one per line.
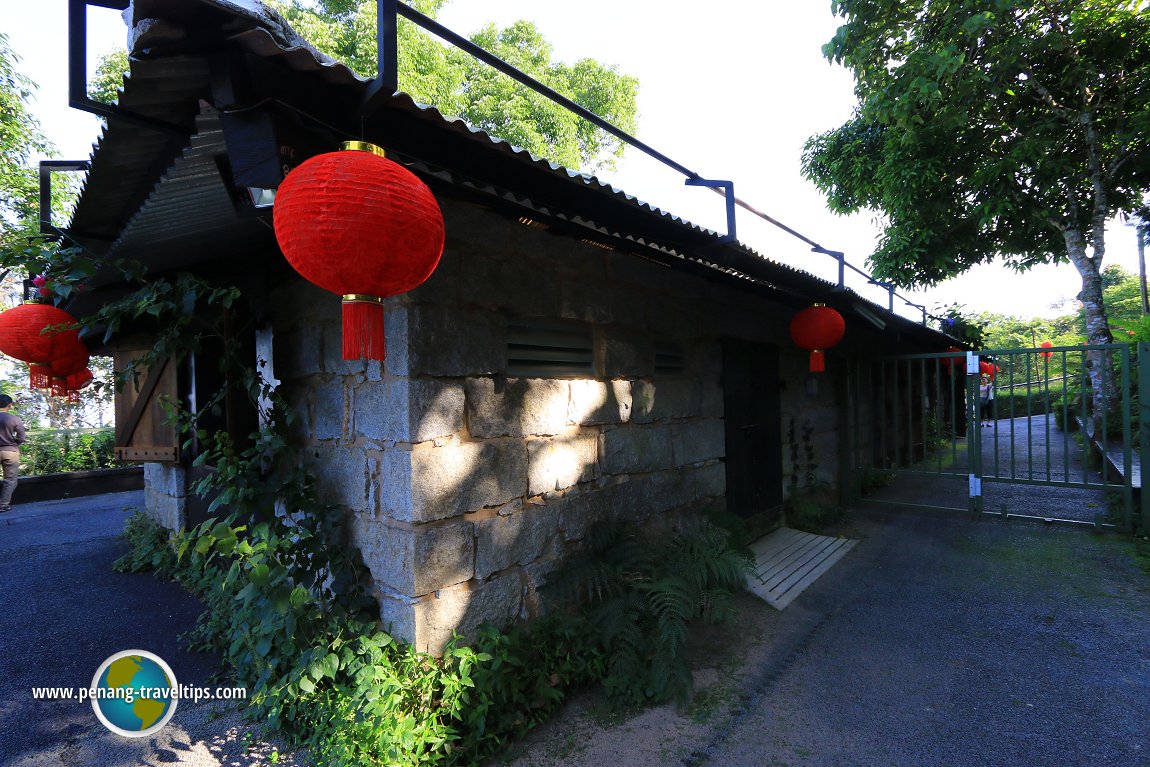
(363,146)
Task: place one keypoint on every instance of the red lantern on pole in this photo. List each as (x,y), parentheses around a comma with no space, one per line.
(24,335)
(817,328)
(358,224)
(1046,345)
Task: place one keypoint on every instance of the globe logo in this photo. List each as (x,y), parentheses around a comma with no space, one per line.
(134,693)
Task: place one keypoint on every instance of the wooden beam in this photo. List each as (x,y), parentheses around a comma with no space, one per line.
(127,430)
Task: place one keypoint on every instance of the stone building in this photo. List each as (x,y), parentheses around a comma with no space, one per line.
(576,355)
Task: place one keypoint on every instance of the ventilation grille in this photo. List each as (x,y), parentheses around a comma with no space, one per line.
(549,350)
(669,358)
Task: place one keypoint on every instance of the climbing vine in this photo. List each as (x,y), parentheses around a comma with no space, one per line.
(810,505)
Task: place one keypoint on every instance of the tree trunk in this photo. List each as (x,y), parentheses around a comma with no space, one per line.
(1141,232)
(61,413)
(1100,364)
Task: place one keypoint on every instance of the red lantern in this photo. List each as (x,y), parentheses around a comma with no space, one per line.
(68,364)
(362,226)
(988,369)
(71,385)
(817,328)
(948,362)
(1046,345)
(23,337)
(78,381)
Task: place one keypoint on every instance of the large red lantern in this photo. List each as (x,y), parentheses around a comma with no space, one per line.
(358,224)
(948,362)
(817,328)
(24,335)
(1046,345)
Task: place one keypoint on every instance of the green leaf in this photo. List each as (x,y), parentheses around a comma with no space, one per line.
(331,665)
(299,597)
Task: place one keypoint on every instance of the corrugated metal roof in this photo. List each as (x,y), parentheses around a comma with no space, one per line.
(153,193)
(161,229)
(128,158)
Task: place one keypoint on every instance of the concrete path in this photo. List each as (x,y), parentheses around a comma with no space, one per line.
(936,642)
(64,611)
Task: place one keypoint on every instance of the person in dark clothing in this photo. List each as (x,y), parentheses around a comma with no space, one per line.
(11,437)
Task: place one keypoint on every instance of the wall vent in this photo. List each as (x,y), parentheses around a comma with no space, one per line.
(539,349)
(669,359)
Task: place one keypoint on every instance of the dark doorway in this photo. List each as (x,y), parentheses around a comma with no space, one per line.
(753,431)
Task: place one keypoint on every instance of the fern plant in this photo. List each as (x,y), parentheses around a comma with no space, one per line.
(643,596)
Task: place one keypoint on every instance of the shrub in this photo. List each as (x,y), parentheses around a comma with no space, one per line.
(813,511)
(642,594)
(326,676)
(62,450)
(1066,409)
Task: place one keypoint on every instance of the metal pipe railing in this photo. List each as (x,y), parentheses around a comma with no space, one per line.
(387,78)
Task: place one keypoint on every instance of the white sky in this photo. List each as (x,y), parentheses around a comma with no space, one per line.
(731,91)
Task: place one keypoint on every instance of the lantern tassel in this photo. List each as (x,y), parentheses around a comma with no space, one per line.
(818,363)
(39,376)
(363,336)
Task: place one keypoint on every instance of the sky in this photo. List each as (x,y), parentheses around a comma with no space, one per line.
(730,89)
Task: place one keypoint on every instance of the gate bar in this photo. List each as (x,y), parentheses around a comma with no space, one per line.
(1144,429)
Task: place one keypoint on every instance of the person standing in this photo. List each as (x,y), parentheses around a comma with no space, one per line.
(11,437)
(986,400)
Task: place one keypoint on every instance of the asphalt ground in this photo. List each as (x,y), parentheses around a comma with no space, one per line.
(945,642)
(1028,449)
(64,611)
(937,642)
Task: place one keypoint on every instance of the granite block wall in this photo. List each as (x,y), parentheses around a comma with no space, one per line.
(468,482)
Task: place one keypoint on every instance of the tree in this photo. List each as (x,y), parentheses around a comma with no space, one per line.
(461,86)
(20,139)
(458,85)
(108,78)
(992,128)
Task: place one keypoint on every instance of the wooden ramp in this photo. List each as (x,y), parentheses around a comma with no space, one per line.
(787,561)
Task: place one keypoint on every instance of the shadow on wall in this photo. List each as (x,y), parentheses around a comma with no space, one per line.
(492,507)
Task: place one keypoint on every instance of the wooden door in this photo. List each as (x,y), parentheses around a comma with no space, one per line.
(753,430)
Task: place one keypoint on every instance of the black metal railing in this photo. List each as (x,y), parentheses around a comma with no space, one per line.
(387,80)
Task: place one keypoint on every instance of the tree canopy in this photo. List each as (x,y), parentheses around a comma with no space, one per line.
(20,139)
(991,128)
(1006,128)
(459,85)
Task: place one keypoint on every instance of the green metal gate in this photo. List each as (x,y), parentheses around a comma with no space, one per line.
(922,419)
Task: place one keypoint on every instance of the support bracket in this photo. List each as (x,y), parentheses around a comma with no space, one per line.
(728,188)
(47,168)
(78,69)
